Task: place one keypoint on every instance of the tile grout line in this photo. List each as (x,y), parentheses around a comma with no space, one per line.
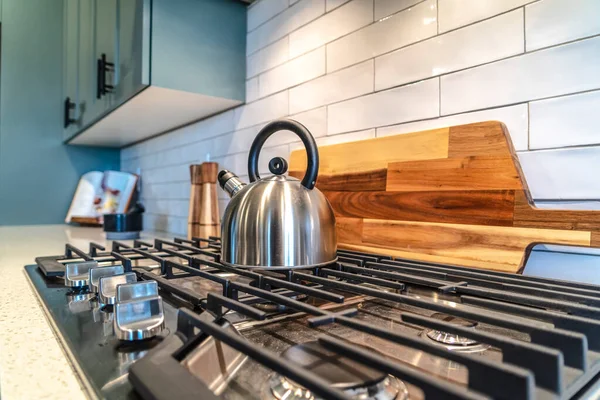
(528,125)
(439,96)
(524,30)
(488,17)
(567,147)
(437,6)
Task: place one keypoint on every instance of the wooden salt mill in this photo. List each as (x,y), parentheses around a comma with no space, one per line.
(203,218)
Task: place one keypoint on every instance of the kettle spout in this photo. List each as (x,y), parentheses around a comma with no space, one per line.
(230,182)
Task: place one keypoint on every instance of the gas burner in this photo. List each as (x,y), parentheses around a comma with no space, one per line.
(453,341)
(357,380)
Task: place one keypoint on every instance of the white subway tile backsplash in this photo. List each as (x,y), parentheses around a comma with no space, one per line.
(555,71)
(335,24)
(340,85)
(384,8)
(204,129)
(251,89)
(552,22)
(292,18)
(331,4)
(568,174)
(228,148)
(292,73)
(262,110)
(457,13)
(165,223)
(514,117)
(222,206)
(264,10)
(235,142)
(238,163)
(407,103)
(565,121)
(346,137)
(196,152)
(176,173)
(322,60)
(150,152)
(406,27)
(569,205)
(266,58)
(480,43)
(241,140)
(314,120)
(177,208)
(169,190)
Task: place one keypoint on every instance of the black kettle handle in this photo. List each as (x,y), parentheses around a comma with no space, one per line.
(312,154)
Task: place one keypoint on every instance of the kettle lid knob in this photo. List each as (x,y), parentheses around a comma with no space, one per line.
(278,166)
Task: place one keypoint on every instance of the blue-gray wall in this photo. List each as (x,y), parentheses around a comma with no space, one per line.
(38,174)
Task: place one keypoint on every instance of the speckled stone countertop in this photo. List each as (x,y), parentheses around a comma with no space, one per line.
(32,362)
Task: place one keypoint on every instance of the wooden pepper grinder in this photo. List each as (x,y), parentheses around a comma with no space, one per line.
(203,219)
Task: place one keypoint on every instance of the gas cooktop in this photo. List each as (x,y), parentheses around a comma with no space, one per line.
(167,320)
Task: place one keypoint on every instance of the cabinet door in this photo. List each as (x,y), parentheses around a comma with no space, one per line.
(133,60)
(87,63)
(70,67)
(107,44)
(100,44)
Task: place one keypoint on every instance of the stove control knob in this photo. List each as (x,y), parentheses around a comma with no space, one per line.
(139,318)
(101,272)
(107,286)
(77,274)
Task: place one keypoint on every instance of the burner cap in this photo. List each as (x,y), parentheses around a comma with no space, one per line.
(449,338)
(453,341)
(339,371)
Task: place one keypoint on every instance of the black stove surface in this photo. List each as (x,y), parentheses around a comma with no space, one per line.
(383,328)
(86,333)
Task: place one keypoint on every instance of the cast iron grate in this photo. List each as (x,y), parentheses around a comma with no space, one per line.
(561,318)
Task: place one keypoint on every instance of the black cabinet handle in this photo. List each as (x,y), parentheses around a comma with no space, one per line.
(67,112)
(99,78)
(103,67)
(106,67)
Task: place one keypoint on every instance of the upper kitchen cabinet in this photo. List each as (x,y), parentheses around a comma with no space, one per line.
(71,109)
(143,67)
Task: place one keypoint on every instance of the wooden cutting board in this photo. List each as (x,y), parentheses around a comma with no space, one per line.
(455,195)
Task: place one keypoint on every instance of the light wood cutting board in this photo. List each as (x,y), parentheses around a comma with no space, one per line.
(454,195)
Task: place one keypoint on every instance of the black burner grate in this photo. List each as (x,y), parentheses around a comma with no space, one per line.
(561,318)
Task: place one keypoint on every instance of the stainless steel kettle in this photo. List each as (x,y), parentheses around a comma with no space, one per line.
(277,222)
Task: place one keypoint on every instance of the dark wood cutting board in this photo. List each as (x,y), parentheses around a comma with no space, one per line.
(454,195)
